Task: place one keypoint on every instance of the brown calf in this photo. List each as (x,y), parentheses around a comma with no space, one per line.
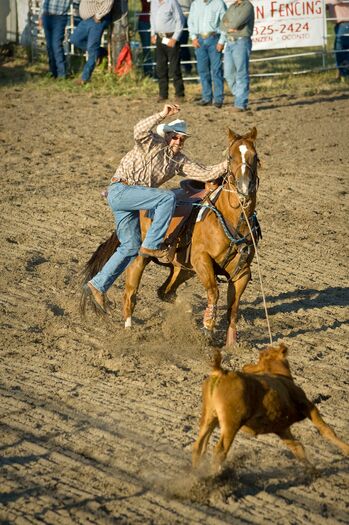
(260,400)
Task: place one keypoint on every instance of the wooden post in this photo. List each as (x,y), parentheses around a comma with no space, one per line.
(119,29)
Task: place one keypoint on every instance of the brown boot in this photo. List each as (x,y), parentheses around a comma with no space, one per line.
(161,253)
(98,298)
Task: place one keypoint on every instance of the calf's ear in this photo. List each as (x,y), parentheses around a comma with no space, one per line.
(283,349)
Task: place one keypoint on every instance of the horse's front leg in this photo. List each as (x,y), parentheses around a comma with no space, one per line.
(235,291)
(133,276)
(203,266)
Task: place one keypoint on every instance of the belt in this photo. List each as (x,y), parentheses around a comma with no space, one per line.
(206,35)
(122,181)
(165,35)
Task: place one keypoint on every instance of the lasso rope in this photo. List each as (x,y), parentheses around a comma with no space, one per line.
(259,271)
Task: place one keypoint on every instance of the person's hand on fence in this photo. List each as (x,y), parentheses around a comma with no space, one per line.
(195,43)
(170,109)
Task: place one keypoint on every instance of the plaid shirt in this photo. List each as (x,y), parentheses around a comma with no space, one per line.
(55,7)
(97,8)
(151,162)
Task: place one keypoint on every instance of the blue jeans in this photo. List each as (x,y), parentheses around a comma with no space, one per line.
(236,69)
(209,66)
(125,202)
(342,42)
(87,36)
(54,28)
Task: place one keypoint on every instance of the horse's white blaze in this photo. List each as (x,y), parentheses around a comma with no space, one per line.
(128,322)
(243,150)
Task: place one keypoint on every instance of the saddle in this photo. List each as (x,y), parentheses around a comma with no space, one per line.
(184,217)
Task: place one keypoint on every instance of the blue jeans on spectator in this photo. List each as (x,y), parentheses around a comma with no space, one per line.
(209,66)
(342,42)
(87,36)
(54,28)
(125,202)
(236,69)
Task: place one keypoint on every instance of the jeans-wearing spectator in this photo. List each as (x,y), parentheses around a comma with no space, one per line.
(54,17)
(237,27)
(203,22)
(96,17)
(339,11)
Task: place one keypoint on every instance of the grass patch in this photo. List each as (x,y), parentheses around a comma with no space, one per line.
(17,70)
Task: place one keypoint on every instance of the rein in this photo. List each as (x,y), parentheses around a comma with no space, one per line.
(235,237)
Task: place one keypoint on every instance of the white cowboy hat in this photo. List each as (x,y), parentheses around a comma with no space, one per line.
(177,126)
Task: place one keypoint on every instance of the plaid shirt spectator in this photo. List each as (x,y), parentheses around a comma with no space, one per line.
(96,8)
(55,7)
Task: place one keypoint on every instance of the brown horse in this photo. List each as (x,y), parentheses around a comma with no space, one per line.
(221,241)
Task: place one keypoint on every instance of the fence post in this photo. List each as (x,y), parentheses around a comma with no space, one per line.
(119,29)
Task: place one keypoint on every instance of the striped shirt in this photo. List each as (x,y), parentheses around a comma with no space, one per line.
(151,162)
(97,8)
(205,17)
(166,17)
(55,7)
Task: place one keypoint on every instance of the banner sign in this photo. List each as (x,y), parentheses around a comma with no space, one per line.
(288,23)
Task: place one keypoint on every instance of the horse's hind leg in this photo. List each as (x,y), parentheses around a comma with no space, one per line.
(133,276)
(235,291)
(177,277)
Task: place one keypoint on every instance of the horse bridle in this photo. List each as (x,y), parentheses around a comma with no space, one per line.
(232,174)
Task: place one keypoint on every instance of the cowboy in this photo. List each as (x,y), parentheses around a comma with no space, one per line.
(155,158)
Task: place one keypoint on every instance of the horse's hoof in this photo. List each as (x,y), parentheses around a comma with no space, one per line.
(128,322)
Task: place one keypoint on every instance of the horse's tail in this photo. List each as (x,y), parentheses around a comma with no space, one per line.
(95,264)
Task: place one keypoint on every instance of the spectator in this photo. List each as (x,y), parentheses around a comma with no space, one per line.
(144,33)
(54,18)
(339,11)
(166,22)
(155,158)
(185,55)
(237,27)
(203,22)
(87,35)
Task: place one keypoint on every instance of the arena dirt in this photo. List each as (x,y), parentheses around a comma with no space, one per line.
(97,423)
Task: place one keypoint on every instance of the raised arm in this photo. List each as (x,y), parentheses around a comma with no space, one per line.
(143,129)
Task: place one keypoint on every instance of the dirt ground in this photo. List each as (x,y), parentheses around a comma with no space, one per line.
(97,422)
